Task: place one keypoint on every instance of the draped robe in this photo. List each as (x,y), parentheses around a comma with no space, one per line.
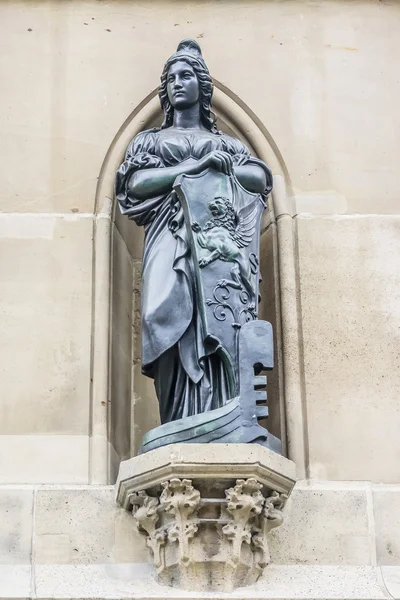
(189,373)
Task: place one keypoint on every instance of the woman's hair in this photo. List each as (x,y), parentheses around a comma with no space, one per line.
(189,51)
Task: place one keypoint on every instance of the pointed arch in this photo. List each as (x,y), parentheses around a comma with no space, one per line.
(236,118)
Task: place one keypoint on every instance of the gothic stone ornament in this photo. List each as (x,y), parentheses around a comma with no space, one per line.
(208,543)
(145,512)
(181,500)
(245,503)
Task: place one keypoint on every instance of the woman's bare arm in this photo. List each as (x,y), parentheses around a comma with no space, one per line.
(154,182)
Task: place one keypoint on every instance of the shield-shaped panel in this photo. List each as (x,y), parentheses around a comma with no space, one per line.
(223,225)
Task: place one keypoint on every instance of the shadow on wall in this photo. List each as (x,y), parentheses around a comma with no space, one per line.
(131,401)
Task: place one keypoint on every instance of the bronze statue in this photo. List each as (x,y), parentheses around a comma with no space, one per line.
(195,369)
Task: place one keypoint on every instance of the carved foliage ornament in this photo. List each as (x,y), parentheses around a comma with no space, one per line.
(175,530)
(180,499)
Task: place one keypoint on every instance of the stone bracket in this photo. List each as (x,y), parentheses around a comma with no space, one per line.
(209,532)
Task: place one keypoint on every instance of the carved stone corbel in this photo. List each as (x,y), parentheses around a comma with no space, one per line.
(244,518)
(209,532)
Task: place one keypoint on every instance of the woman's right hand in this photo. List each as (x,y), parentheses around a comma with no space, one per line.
(219,160)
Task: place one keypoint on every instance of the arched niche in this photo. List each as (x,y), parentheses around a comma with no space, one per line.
(123,403)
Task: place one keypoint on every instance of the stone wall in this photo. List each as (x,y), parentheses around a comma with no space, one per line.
(321,79)
(73,73)
(338,541)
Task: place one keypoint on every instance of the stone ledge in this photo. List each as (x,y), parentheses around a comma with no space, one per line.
(135,581)
(207,510)
(15,582)
(326,523)
(226,462)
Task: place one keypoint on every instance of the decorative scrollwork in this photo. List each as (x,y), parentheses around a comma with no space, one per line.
(224,287)
(249,314)
(222,293)
(254,263)
(244,297)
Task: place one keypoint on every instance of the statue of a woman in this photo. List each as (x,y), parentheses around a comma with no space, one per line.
(189,374)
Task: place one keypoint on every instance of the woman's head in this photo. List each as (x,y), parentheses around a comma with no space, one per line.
(185,80)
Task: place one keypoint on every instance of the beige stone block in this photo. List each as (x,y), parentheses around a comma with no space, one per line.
(44,459)
(329,121)
(45,303)
(321,203)
(323,526)
(113,582)
(108,581)
(16,508)
(15,582)
(84,525)
(386,500)
(349,278)
(325,582)
(209,462)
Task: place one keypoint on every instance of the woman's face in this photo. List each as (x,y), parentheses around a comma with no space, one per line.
(182,85)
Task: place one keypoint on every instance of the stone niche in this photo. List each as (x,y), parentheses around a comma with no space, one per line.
(206,510)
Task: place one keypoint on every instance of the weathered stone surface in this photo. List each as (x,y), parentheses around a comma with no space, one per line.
(62,149)
(324,138)
(301,582)
(15,582)
(44,458)
(324,525)
(208,542)
(81,540)
(206,518)
(16,516)
(84,526)
(386,502)
(338,141)
(45,303)
(214,462)
(350,281)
